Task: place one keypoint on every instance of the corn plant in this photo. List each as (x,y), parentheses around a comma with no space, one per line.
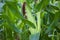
(29,20)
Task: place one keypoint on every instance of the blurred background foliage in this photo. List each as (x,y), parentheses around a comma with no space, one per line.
(29,19)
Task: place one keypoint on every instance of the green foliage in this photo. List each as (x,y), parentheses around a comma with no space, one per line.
(40,22)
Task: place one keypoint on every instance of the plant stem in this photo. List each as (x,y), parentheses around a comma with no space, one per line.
(38,22)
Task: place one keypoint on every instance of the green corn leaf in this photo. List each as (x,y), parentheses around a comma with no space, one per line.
(42,5)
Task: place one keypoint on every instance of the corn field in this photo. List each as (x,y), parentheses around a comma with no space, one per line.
(29,19)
